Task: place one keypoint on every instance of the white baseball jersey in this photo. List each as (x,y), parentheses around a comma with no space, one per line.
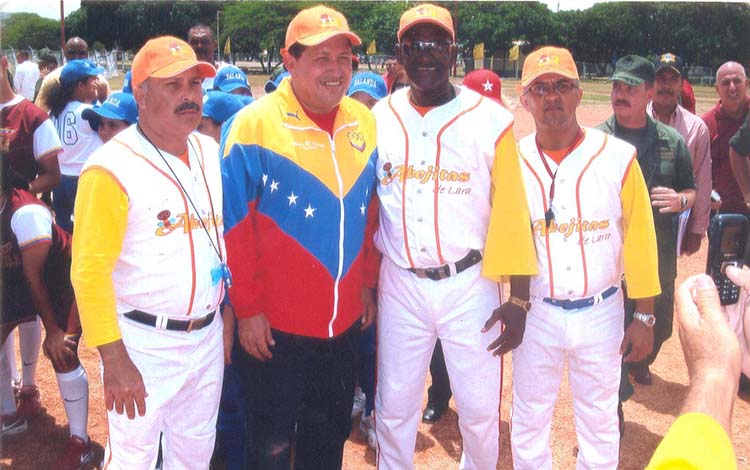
(78,139)
(25,78)
(436,176)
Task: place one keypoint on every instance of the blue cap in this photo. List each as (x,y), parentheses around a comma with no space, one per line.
(272,85)
(229,78)
(220,106)
(78,69)
(120,106)
(370,83)
(126,85)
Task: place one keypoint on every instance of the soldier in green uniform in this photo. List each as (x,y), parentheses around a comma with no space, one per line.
(667,168)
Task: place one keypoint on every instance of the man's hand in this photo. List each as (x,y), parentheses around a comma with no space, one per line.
(123,383)
(369,306)
(255,336)
(709,345)
(228,317)
(666,199)
(513,319)
(59,350)
(641,340)
(692,243)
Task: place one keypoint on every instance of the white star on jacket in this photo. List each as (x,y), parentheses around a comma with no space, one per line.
(487,85)
(309,211)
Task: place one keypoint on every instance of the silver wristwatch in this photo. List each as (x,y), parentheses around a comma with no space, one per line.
(647,319)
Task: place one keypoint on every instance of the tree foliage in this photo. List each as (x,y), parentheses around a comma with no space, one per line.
(23,30)
(703,33)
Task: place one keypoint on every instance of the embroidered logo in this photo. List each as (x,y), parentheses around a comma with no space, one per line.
(356,140)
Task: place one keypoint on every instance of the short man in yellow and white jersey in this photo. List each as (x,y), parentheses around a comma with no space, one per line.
(591,223)
(148,264)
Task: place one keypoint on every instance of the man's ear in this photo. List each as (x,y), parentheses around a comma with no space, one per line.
(289,61)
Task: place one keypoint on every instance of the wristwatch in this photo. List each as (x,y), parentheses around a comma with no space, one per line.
(524,304)
(645,318)
(683,202)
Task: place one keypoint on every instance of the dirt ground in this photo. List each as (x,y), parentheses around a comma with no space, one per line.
(648,414)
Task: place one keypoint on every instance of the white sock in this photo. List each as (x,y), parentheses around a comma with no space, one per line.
(9,348)
(7,400)
(30,341)
(74,388)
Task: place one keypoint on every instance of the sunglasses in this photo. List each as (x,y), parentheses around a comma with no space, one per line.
(542,89)
(76,53)
(410,48)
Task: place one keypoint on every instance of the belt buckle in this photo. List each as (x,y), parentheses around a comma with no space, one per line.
(191,325)
(421,273)
(441,273)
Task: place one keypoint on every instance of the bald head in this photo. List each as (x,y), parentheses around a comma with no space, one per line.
(731,84)
(76,48)
(201,39)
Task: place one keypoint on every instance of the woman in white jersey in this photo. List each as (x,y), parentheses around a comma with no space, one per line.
(76,92)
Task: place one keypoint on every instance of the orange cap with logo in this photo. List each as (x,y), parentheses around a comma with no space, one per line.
(315,25)
(426,13)
(164,57)
(548,59)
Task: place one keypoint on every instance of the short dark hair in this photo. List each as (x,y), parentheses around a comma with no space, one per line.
(296,50)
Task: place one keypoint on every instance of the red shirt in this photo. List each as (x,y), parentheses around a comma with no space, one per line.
(18,123)
(721,128)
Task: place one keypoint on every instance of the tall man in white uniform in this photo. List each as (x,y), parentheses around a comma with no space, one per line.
(591,223)
(148,264)
(446,161)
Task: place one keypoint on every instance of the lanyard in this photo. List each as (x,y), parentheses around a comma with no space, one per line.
(549,215)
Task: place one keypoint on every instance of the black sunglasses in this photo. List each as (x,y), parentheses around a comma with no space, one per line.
(410,47)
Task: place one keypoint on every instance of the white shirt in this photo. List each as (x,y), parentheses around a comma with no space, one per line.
(25,78)
(78,139)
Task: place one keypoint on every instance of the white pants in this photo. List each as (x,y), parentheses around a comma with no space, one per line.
(412,314)
(590,339)
(183,374)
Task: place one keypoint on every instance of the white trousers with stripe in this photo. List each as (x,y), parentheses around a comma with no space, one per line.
(590,340)
(183,373)
(412,314)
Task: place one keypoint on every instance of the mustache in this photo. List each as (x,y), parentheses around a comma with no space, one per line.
(622,103)
(187,106)
(665,92)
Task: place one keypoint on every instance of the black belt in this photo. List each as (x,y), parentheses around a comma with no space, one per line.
(568,304)
(450,269)
(171,324)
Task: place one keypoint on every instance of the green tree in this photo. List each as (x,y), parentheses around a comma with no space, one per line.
(23,30)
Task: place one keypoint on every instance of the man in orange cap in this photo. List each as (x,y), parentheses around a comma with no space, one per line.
(591,221)
(148,264)
(299,176)
(447,160)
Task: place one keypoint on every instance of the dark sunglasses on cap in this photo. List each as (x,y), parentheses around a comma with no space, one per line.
(410,47)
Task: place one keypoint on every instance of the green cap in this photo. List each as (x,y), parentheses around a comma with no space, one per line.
(634,70)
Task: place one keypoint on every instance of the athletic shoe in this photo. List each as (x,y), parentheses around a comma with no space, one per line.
(77,453)
(367,426)
(359,402)
(13,423)
(29,403)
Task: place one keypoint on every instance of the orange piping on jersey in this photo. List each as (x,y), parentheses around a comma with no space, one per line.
(627,170)
(546,232)
(580,215)
(112,175)
(437,180)
(187,211)
(403,184)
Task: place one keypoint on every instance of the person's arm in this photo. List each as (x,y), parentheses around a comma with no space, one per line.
(741,171)
(509,248)
(701,212)
(640,259)
(241,175)
(101,215)
(46,147)
(699,438)
(670,200)
(371,265)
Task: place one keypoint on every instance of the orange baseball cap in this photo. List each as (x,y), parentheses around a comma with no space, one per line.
(315,25)
(164,57)
(548,59)
(426,13)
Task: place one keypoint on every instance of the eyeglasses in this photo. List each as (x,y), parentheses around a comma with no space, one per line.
(76,53)
(410,48)
(542,89)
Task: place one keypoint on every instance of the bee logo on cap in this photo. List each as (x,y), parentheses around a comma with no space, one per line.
(547,60)
(327,21)
(175,48)
(424,12)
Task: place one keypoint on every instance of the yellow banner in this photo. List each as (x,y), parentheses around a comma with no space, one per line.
(372,49)
(479,51)
(514,52)
(228,46)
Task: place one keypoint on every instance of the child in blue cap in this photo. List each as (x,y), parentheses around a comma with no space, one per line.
(115,114)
